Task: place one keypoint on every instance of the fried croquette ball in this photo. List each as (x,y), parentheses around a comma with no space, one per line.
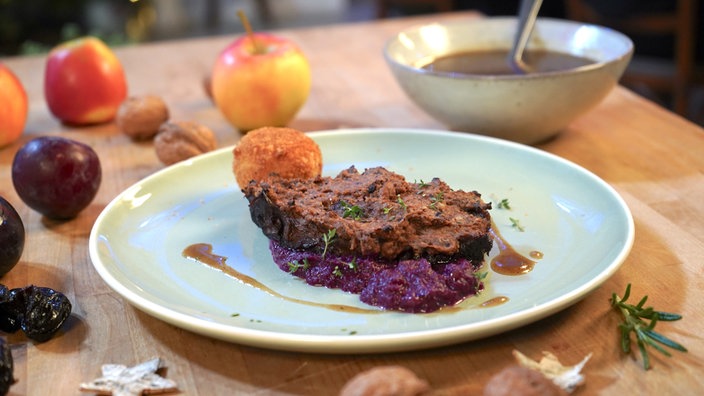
(286,152)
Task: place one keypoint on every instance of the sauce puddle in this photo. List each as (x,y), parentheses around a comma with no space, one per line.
(509,261)
(203,253)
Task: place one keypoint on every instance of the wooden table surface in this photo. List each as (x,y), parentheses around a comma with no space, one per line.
(652,157)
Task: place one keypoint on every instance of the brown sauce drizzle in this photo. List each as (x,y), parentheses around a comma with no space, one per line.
(509,261)
(494,302)
(203,253)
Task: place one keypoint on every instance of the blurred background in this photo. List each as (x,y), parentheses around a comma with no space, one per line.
(668,34)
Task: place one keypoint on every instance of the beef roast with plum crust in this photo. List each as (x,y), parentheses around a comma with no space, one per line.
(376,214)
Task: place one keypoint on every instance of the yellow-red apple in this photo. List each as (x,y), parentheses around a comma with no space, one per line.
(13,106)
(84,82)
(260,80)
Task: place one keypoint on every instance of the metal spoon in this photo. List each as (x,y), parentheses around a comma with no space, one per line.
(527,14)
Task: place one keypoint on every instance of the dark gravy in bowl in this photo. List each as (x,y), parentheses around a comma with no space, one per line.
(494,62)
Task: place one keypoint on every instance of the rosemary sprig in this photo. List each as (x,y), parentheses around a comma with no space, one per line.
(646,336)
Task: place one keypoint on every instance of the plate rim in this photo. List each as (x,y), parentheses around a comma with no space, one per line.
(376,343)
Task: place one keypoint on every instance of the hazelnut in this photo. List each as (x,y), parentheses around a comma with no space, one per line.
(139,117)
(177,141)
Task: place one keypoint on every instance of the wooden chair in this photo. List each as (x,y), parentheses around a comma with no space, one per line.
(680,23)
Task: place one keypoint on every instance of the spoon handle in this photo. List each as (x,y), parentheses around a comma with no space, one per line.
(527,14)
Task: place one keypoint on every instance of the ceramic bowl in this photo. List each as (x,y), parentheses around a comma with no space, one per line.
(527,108)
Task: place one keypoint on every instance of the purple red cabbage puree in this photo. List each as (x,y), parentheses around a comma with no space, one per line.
(414,286)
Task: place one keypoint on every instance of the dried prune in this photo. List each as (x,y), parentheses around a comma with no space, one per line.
(45,311)
(38,311)
(7,377)
(10,311)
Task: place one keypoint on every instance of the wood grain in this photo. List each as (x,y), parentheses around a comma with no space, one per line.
(652,157)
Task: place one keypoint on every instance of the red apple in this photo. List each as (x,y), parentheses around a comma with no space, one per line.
(13,107)
(259,82)
(84,82)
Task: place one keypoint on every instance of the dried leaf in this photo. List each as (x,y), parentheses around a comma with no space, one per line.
(566,377)
(120,380)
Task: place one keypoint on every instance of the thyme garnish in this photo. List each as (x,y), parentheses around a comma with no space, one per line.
(504,204)
(400,201)
(337,271)
(353,264)
(435,199)
(328,239)
(515,223)
(294,265)
(644,331)
(353,211)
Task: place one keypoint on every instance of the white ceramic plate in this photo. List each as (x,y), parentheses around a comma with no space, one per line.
(580,224)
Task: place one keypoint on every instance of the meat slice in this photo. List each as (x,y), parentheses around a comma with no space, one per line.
(376,214)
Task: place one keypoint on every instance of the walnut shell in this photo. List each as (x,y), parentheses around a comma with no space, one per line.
(139,117)
(177,141)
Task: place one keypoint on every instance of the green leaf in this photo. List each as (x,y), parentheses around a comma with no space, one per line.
(668,317)
(665,341)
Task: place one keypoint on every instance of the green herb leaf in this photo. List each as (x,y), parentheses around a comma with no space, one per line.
(435,199)
(515,223)
(353,264)
(400,201)
(422,184)
(328,239)
(353,211)
(294,265)
(504,204)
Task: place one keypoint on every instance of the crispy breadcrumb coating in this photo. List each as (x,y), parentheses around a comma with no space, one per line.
(276,150)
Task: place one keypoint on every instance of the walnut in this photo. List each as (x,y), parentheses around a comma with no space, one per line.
(177,141)
(139,117)
(385,381)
